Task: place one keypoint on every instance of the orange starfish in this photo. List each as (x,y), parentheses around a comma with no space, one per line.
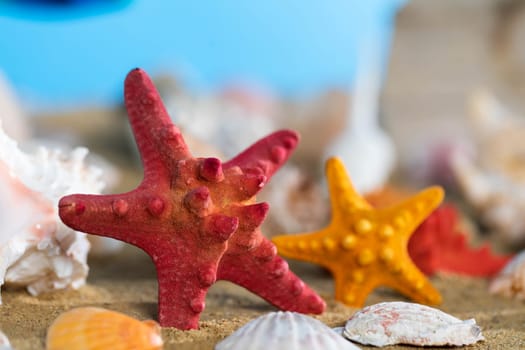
(365,247)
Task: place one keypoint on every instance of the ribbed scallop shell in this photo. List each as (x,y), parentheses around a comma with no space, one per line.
(91,328)
(408,323)
(285,331)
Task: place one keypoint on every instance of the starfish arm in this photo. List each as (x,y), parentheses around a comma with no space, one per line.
(314,247)
(267,155)
(412,283)
(409,214)
(160,143)
(266,274)
(125,217)
(343,196)
(183,285)
(350,292)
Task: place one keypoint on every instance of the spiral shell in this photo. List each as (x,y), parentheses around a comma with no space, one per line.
(285,331)
(409,323)
(91,328)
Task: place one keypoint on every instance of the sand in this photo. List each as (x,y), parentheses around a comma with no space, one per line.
(126,283)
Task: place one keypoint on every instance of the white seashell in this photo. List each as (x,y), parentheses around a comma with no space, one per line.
(12,117)
(36,249)
(297,200)
(493,182)
(510,282)
(367,151)
(216,121)
(4,342)
(408,323)
(284,331)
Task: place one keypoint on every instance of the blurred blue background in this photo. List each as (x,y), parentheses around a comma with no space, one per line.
(80,52)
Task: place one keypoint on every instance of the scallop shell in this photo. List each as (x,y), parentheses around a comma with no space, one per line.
(408,323)
(91,328)
(286,331)
(510,282)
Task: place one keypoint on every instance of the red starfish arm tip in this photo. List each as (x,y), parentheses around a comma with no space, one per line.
(268,154)
(114,216)
(156,136)
(74,209)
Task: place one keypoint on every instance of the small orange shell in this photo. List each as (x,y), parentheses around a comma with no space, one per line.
(91,328)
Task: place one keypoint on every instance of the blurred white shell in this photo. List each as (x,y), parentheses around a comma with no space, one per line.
(367,151)
(493,182)
(4,342)
(284,331)
(408,323)
(12,117)
(92,328)
(510,282)
(218,122)
(36,249)
(297,201)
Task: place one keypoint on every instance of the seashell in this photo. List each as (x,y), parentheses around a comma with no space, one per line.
(216,122)
(493,181)
(286,331)
(92,328)
(12,117)
(367,150)
(4,342)
(510,282)
(36,249)
(393,323)
(298,201)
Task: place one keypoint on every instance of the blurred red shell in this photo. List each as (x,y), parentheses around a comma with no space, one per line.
(439,246)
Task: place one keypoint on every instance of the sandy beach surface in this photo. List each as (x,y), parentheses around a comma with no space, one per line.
(426,90)
(127,283)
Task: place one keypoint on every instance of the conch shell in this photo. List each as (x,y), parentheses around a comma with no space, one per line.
(393,323)
(92,328)
(36,249)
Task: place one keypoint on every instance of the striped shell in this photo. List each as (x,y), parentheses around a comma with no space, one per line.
(409,323)
(285,331)
(91,328)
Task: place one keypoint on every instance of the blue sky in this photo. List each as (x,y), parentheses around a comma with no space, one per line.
(81,53)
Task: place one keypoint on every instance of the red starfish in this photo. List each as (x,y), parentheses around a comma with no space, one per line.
(437,245)
(188,213)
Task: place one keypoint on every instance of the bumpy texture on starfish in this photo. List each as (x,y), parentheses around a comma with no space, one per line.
(188,213)
(365,247)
